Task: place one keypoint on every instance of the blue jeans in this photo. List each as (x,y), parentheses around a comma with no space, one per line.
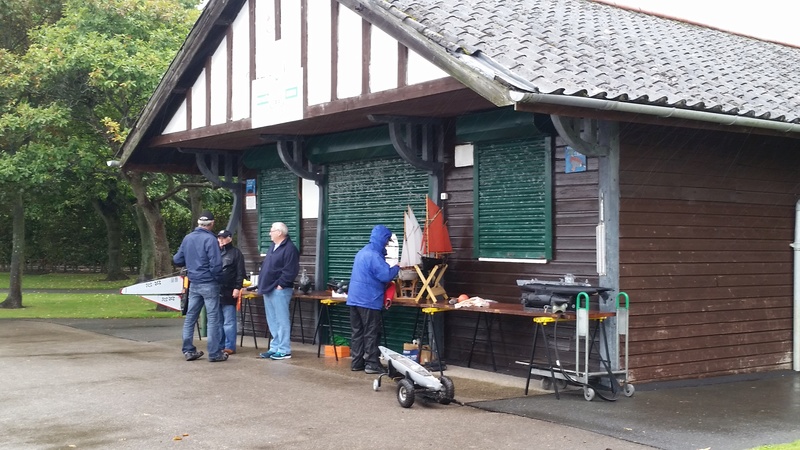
(276,305)
(203,294)
(228,337)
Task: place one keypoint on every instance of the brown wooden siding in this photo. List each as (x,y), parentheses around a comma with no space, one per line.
(575,217)
(705,225)
(247,241)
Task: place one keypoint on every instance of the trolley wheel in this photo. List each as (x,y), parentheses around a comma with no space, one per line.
(588,393)
(376,384)
(562,384)
(547,383)
(405,393)
(448,392)
(628,390)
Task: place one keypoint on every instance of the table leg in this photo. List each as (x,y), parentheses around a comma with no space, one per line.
(474,337)
(489,320)
(317,330)
(432,323)
(295,307)
(550,360)
(244,322)
(324,309)
(533,353)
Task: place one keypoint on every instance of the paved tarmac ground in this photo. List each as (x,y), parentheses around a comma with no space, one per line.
(66,387)
(124,384)
(739,412)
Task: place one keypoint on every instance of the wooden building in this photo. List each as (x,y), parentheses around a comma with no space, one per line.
(560,137)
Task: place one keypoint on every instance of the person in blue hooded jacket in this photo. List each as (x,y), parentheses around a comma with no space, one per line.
(365,295)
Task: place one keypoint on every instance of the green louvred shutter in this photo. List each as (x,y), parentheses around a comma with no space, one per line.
(362,194)
(278,201)
(513,198)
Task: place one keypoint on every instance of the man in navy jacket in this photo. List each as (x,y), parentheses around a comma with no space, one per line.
(365,295)
(199,252)
(276,284)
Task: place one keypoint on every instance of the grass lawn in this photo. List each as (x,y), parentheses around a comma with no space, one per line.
(790,446)
(66,281)
(78,305)
(85,306)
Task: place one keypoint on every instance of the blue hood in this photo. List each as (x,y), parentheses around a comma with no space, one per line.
(380,236)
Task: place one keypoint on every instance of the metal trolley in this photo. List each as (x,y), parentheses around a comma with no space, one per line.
(554,373)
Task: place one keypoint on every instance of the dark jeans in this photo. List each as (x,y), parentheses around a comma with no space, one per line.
(366,329)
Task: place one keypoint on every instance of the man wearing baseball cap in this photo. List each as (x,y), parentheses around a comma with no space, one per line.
(233,274)
(199,252)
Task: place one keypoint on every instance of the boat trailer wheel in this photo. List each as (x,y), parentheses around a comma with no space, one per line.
(405,393)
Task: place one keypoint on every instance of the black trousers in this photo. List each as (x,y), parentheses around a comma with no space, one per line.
(365,325)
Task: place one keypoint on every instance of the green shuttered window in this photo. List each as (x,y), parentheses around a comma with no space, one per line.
(278,201)
(513,198)
(362,194)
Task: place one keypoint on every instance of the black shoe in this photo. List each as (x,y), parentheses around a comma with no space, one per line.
(191,356)
(374,370)
(222,357)
(357,368)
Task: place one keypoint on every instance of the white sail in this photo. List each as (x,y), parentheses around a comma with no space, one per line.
(412,240)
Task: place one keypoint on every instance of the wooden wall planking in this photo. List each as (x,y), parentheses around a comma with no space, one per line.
(705,223)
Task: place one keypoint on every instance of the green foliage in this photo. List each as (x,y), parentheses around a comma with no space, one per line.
(105,57)
(68,98)
(17,17)
(70,90)
(340,341)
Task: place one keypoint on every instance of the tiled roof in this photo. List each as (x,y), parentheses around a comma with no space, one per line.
(588,49)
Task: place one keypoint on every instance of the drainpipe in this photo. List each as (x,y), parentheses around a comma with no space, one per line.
(796,283)
(650,110)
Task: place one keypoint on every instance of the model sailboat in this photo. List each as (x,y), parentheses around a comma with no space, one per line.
(412,240)
(435,239)
(435,244)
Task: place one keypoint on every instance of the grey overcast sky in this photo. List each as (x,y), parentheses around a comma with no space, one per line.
(774,20)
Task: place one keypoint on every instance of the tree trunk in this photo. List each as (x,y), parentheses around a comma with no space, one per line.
(14,298)
(147,266)
(195,202)
(163,255)
(110,211)
(152,213)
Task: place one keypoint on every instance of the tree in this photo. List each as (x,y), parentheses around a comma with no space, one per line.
(19,119)
(27,134)
(102,60)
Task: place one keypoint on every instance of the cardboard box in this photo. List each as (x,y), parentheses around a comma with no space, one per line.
(411,351)
(342,351)
(425,356)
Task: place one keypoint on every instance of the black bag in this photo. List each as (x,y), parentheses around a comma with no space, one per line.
(185,292)
(539,300)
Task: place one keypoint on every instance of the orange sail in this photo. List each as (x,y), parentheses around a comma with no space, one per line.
(435,239)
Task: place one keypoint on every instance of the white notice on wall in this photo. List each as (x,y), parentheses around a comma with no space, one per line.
(277,98)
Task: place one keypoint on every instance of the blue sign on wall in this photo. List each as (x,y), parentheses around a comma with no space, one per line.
(250,194)
(574,161)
